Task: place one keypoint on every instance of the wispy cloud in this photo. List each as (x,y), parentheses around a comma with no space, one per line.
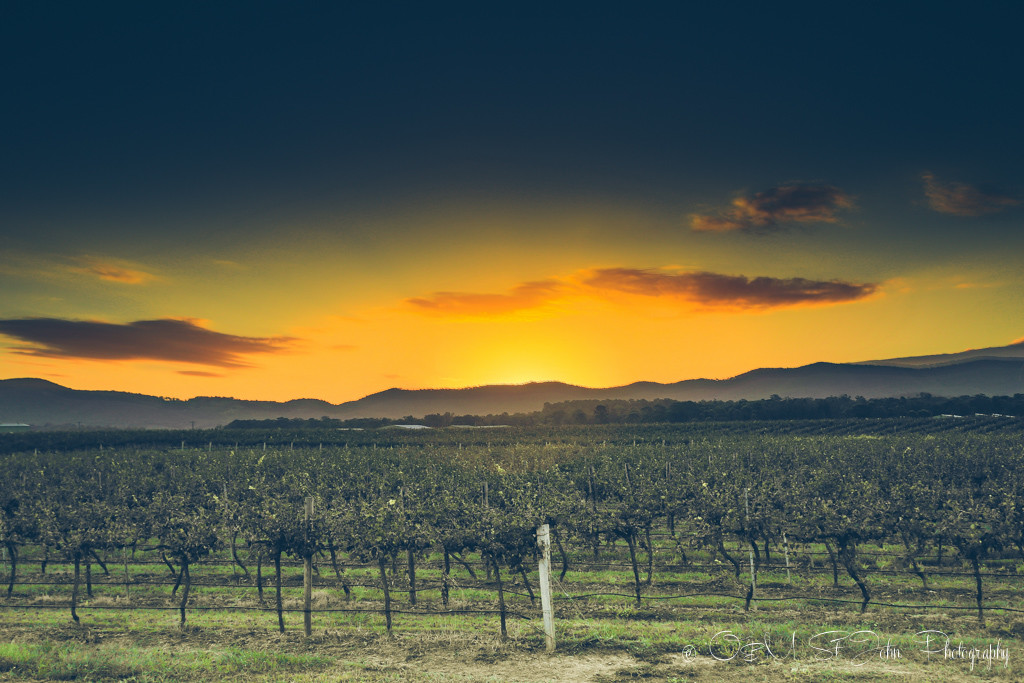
(714,290)
(772,209)
(110,270)
(522,297)
(974,285)
(64,268)
(166,339)
(961,199)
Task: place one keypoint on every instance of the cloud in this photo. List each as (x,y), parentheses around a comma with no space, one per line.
(974,285)
(199,373)
(961,199)
(769,210)
(110,270)
(32,266)
(714,290)
(166,339)
(700,288)
(522,297)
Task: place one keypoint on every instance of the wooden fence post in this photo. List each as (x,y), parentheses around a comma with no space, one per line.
(544,542)
(307,578)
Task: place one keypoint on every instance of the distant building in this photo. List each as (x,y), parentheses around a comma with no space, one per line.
(14,427)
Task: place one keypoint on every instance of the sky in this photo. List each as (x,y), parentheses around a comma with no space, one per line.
(325,200)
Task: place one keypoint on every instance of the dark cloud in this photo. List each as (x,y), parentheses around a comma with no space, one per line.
(769,210)
(166,339)
(714,290)
(525,296)
(961,199)
(703,289)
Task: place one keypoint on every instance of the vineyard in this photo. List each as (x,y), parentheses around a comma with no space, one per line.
(907,524)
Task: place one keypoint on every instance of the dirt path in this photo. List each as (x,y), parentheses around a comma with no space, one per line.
(394,663)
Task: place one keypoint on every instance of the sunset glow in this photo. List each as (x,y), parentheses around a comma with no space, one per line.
(296,210)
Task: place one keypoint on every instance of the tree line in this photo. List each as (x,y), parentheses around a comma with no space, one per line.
(642,411)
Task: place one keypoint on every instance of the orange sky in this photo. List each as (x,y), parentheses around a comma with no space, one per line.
(276,201)
(309,317)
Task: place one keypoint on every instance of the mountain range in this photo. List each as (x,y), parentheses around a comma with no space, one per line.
(997,371)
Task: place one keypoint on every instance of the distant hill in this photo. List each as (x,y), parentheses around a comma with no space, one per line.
(1010,351)
(993,372)
(992,377)
(39,403)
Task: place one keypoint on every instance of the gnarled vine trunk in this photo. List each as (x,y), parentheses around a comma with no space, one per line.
(382,566)
(277,586)
(631,542)
(12,553)
(501,598)
(74,587)
(185,591)
(847,555)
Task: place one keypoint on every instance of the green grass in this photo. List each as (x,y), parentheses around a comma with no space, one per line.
(221,644)
(75,661)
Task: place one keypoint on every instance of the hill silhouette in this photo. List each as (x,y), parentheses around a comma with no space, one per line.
(991,372)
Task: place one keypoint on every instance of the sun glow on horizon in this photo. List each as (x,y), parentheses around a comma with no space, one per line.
(630,325)
(523,360)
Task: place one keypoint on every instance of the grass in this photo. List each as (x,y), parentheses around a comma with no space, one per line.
(604,638)
(82,661)
(222,645)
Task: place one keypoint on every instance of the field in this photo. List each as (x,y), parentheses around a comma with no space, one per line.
(796,551)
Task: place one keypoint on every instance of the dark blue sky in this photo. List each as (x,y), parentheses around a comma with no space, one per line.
(211,104)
